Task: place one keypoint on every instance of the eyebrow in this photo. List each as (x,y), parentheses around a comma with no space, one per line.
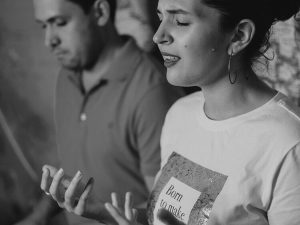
(174,11)
(49,20)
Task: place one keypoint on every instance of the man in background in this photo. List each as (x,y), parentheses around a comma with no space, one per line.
(111,100)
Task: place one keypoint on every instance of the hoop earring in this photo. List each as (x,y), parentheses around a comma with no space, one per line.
(232,81)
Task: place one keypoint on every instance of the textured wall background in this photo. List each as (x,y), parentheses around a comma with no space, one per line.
(27,77)
(284,69)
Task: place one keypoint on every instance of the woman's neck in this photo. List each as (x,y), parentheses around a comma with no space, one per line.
(224,100)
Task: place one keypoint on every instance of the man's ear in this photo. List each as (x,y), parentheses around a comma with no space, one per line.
(101,9)
(242,36)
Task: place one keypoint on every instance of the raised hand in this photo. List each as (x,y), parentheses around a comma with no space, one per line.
(128,216)
(72,195)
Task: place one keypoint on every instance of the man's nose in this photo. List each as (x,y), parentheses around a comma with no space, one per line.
(162,35)
(51,38)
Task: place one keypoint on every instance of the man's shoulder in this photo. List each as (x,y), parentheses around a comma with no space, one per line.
(135,64)
(149,61)
(148,80)
(149,65)
(149,72)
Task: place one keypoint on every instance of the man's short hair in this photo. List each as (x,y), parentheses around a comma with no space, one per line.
(87,4)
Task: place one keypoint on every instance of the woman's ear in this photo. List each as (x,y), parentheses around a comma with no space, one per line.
(242,36)
(101,9)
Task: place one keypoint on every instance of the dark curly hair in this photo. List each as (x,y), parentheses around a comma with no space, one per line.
(263,13)
(87,4)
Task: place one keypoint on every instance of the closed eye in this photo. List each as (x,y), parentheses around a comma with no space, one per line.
(181,23)
(61,23)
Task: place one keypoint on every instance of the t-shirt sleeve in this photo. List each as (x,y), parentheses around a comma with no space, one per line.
(285,205)
(150,116)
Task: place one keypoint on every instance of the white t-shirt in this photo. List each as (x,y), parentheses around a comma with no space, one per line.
(243,170)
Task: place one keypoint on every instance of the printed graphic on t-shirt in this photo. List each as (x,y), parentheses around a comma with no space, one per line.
(185,189)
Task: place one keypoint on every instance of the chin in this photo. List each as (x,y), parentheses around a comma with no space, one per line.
(70,65)
(173,77)
(178,79)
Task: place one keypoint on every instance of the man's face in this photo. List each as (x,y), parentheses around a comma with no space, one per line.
(70,33)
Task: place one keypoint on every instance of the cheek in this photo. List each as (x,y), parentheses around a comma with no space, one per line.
(70,39)
(200,52)
(78,43)
(78,33)
(197,62)
(192,55)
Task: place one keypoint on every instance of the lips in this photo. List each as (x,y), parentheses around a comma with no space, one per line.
(169,59)
(59,53)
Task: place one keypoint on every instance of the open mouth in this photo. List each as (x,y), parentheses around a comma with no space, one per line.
(170,60)
(59,52)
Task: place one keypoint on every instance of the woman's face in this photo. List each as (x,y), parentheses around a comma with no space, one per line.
(192,44)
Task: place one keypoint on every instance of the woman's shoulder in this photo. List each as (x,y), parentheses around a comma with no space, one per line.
(286,109)
(284,117)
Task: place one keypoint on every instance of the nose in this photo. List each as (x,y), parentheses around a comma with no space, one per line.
(51,38)
(162,35)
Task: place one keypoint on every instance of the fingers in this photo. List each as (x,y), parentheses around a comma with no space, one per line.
(51,169)
(48,173)
(135,214)
(45,182)
(122,218)
(115,200)
(128,206)
(130,212)
(80,208)
(70,193)
(66,192)
(114,212)
(54,187)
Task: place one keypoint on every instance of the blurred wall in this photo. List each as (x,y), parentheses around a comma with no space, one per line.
(27,79)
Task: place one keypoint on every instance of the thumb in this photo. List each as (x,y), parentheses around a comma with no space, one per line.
(168,218)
